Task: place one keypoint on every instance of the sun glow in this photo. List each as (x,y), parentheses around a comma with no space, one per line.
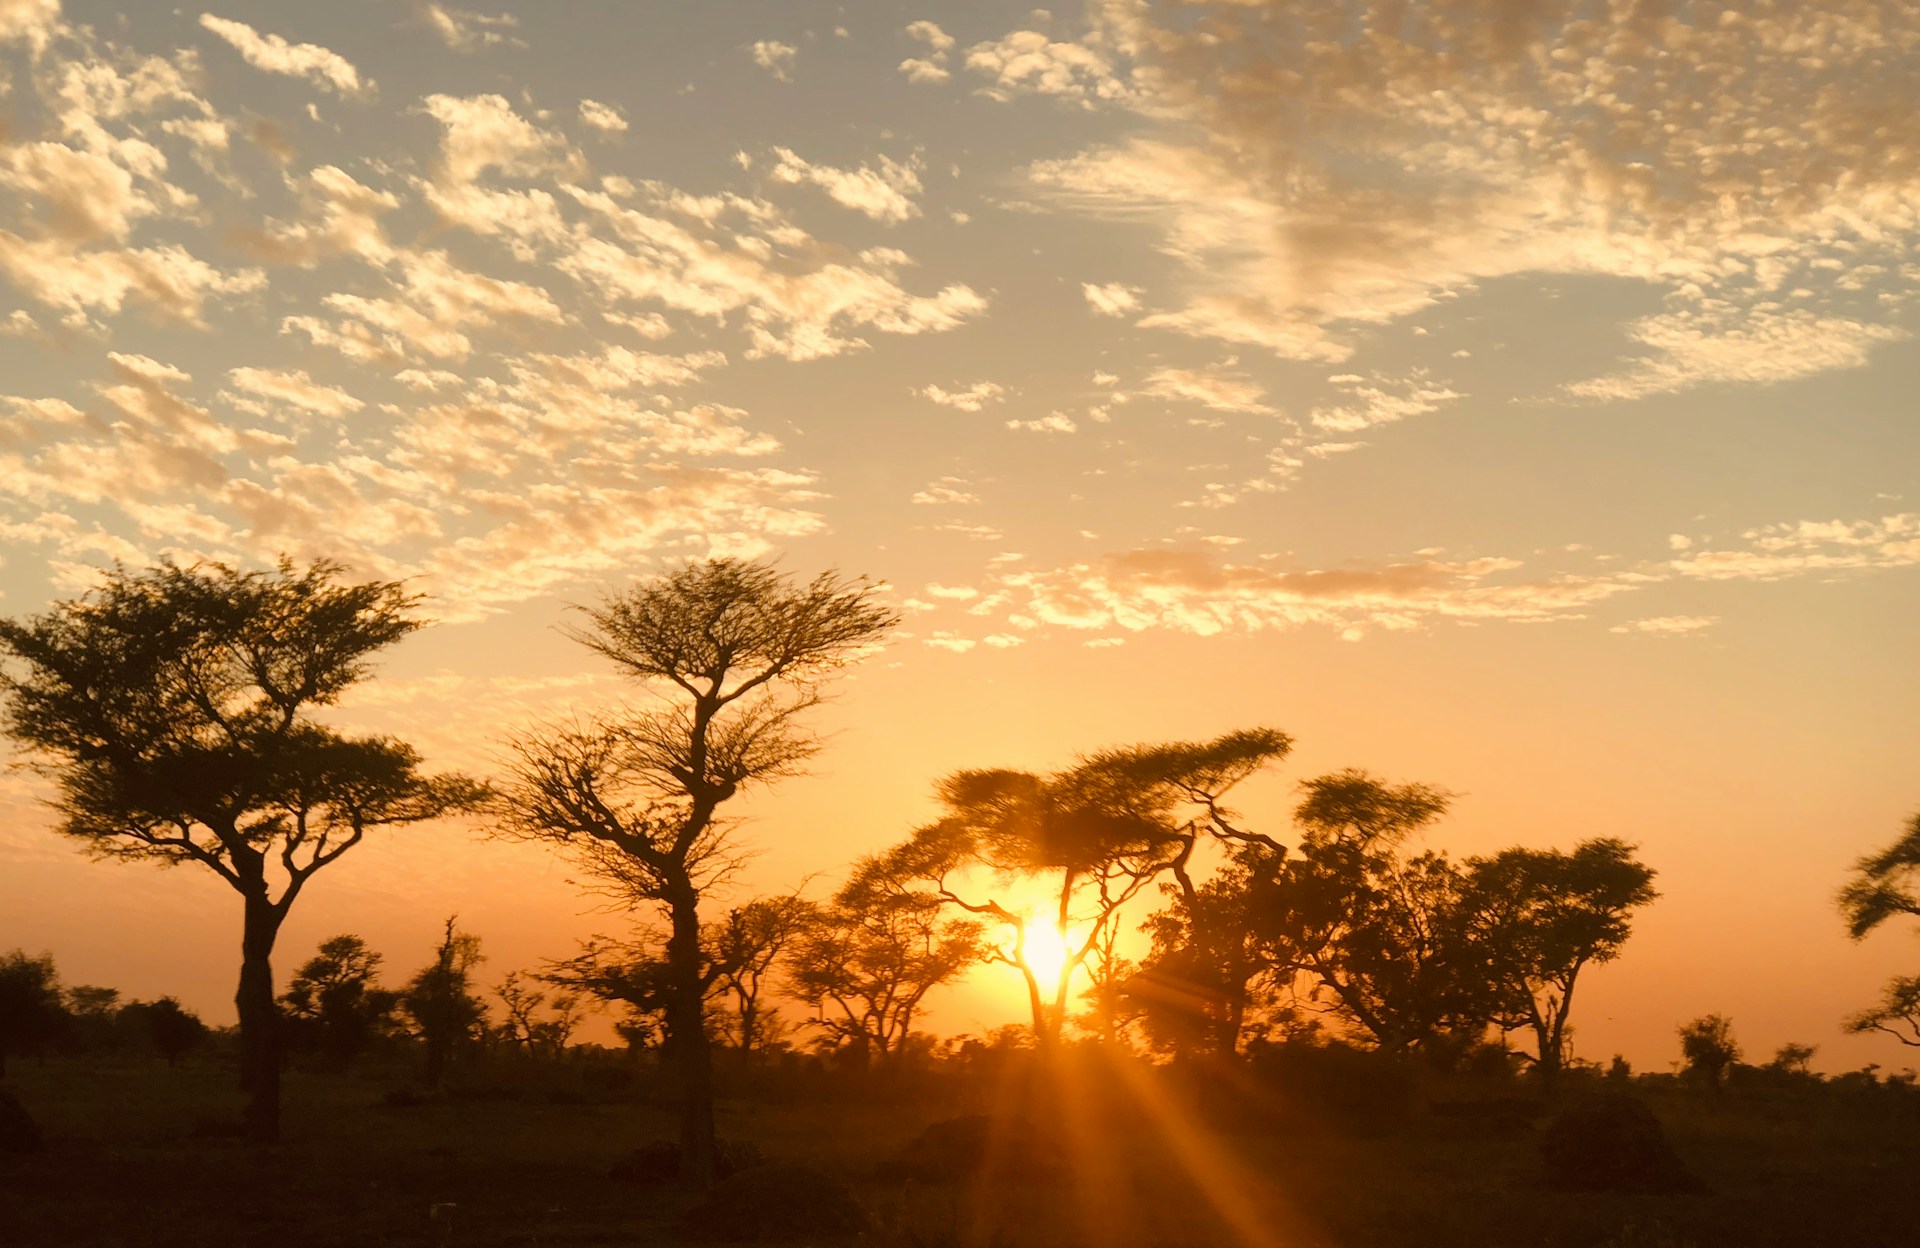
(1045,951)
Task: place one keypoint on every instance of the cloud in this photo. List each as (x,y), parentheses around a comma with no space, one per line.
(1725,344)
(32,22)
(1667,625)
(1197,593)
(602,117)
(1027,61)
(1316,169)
(1113,299)
(1378,401)
(1779,551)
(1052,422)
(933,66)
(972,398)
(275,55)
(293,388)
(775,57)
(465,31)
(885,194)
(1209,388)
(948,491)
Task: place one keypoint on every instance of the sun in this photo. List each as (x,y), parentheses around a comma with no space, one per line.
(1045,952)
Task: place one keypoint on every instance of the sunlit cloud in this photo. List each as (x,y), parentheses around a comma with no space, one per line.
(274,55)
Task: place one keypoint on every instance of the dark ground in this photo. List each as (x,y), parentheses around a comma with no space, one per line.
(521,1157)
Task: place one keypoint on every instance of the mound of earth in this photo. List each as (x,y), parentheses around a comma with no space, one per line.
(19,1133)
(1611,1142)
(775,1202)
(961,1148)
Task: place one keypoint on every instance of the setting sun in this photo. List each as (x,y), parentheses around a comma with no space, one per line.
(1045,951)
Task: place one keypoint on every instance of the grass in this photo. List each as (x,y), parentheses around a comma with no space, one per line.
(522,1159)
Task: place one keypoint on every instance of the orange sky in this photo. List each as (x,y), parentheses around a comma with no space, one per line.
(1517,406)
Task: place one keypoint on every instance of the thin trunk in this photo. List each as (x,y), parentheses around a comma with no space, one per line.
(259,1021)
(687,1036)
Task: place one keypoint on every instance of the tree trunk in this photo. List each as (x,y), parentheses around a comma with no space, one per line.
(259,1022)
(687,1038)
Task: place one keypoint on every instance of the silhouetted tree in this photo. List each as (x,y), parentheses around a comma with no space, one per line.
(441,1002)
(333,1003)
(1212,961)
(536,1020)
(94,1012)
(1098,834)
(1375,932)
(870,957)
(1794,1059)
(737,650)
(1887,884)
(1897,1013)
(171,1028)
(1707,1049)
(1538,917)
(30,1010)
(172,708)
(745,949)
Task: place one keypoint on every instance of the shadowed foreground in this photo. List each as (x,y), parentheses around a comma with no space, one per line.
(524,1159)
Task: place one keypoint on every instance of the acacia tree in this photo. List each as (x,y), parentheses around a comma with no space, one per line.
(334,1004)
(1097,834)
(173,710)
(736,652)
(1885,885)
(1707,1049)
(746,948)
(1537,918)
(866,961)
(1368,927)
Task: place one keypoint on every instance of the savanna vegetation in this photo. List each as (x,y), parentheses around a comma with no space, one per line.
(1331,1032)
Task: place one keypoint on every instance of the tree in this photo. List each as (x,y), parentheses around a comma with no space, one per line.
(1097,833)
(745,949)
(1537,918)
(737,652)
(525,1027)
(334,1005)
(869,959)
(441,1002)
(173,710)
(171,1028)
(30,1010)
(1707,1049)
(1887,884)
(1373,930)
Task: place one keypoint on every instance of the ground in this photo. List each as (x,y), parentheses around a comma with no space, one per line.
(136,1157)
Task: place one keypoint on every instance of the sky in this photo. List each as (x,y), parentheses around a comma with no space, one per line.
(1507,395)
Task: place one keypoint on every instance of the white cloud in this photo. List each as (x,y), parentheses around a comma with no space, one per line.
(602,117)
(1112,299)
(775,57)
(971,398)
(1667,625)
(1052,422)
(1208,387)
(465,31)
(274,55)
(884,193)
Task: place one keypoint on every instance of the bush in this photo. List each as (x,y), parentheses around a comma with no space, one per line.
(961,1148)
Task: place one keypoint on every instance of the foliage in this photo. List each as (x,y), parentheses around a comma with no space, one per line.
(536,1021)
(867,961)
(1098,833)
(334,1005)
(1708,1049)
(738,652)
(31,1016)
(173,708)
(447,1015)
(1537,918)
(169,1027)
(1885,885)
